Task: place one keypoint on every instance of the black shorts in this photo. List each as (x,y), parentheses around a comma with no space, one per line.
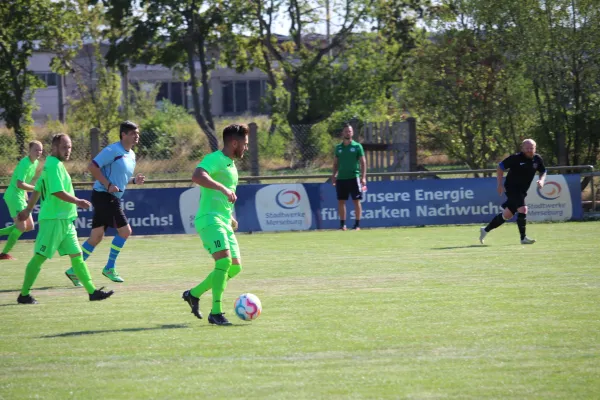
(514,200)
(107,211)
(348,187)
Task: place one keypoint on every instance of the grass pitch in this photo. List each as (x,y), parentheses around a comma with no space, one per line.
(423,313)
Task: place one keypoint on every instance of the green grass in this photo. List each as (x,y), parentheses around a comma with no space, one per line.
(417,313)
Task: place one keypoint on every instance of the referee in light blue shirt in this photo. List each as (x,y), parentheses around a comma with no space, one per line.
(113,170)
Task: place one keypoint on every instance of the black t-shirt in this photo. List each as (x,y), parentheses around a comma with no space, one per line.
(521,170)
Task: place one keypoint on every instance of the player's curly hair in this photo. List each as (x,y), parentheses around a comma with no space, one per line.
(235,132)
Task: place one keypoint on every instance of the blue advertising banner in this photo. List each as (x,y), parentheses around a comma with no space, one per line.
(294,207)
(452,201)
(150,212)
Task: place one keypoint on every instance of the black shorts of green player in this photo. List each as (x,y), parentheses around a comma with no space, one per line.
(522,168)
(348,188)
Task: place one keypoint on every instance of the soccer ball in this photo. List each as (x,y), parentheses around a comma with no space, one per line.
(247,307)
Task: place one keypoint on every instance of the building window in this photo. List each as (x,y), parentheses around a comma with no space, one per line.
(172,91)
(243,96)
(49,78)
(228,98)
(189,101)
(255,93)
(177,93)
(163,92)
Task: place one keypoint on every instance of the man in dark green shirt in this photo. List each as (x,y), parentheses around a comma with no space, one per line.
(349,175)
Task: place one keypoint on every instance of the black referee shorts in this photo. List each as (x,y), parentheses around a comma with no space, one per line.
(107,211)
(348,187)
(514,200)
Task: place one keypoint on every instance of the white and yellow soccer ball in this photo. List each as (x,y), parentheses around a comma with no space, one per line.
(247,307)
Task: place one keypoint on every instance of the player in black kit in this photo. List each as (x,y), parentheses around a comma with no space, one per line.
(521,171)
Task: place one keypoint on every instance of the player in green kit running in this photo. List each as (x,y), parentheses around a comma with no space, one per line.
(58,210)
(16,197)
(217,176)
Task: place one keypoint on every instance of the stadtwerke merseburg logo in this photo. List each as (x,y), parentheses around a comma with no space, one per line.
(550,191)
(288,199)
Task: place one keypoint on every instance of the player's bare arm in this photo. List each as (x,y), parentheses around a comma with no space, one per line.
(33,199)
(335,171)
(363,170)
(139,179)
(500,180)
(25,186)
(81,203)
(97,174)
(542,180)
(202,178)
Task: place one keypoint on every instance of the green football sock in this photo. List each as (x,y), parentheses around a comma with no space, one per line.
(203,287)
(31,273)
(11,240)
(219,283)
(83,274)
(233,271)
(7,230)
(206,284)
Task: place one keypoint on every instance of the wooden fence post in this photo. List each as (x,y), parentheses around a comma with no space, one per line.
(412,143)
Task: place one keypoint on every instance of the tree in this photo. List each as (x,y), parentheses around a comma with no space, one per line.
(98,99)
(554,45)
(318,76)
(557,41)
(470,98)
(184,35)
(27,26)
(396,36)
(304,58)
(143,99)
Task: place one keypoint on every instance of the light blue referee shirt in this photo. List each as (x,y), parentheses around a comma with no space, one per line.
(117,165)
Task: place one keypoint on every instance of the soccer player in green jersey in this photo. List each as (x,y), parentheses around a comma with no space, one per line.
(349,175)
(16,197)
(217,176)
(58,210)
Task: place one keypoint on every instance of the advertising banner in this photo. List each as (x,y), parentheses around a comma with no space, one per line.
(296,207)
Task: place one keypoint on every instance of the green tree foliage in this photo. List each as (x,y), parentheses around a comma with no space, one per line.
(495,72)
(142,96)
(97,103)
(557,42)
(182,34)
(27,26)
(311,78)
(469,101)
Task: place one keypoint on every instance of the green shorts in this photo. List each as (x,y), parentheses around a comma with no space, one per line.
(15,205)
(219,237)
(56,235)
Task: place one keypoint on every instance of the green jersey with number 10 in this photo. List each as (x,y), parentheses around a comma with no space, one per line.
(214,207)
